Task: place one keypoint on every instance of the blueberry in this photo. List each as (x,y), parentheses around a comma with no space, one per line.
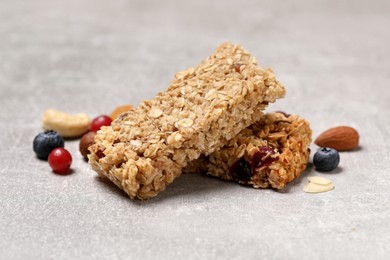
(241,170)
(326,159)
(45,142)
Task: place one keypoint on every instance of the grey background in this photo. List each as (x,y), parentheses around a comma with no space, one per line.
(90,56)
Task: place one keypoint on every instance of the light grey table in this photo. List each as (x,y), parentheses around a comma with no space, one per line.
(90,56)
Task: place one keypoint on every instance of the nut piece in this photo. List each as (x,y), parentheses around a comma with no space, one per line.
(341,138)
(318,184)
(119,110)
(316,188)
(65,124)
(319,180)
(86,141)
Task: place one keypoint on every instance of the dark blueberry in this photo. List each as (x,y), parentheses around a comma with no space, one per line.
(326,159)
(241,170)
(45,142)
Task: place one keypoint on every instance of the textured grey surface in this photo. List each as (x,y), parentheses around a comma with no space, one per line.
(89,56)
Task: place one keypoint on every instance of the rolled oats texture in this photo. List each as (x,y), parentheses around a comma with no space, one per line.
(146,148)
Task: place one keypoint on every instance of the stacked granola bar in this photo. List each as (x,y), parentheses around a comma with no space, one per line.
(270,153)
(202,111)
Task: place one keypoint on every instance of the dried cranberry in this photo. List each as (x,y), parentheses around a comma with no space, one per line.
(241,170)
(262,158)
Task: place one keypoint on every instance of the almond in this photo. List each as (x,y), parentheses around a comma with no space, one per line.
(313,187)
(341,138)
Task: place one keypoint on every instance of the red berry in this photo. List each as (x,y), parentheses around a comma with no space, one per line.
(100,121)
(60,160)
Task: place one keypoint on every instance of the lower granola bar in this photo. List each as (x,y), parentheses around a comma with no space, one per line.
(146,148)
(269,153)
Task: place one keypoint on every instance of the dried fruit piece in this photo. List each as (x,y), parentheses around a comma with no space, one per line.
(86,141)
(264,157)
(119,110)
(241,170)
(341,138)
(65,124)
(326,159)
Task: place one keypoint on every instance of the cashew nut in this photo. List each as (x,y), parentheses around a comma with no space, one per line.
(65,124)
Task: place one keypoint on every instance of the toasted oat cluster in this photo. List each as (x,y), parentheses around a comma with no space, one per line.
(270,153)
(147,147)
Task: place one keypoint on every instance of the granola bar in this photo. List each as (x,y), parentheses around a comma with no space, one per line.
(147,147)
(270,153)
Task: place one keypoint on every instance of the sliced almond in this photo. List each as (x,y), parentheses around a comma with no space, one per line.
(317,188)
(319,180)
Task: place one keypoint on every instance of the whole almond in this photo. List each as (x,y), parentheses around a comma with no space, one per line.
(341,138)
